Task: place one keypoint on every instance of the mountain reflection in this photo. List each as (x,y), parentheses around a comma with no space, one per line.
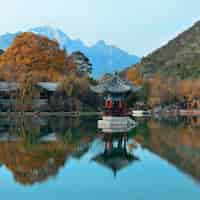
(175,140)
(35,149)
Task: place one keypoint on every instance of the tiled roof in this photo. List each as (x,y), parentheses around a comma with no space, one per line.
(115,85)
(13,86)
(49,86)
(8,86)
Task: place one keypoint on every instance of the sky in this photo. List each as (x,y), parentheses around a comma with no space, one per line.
(137,26)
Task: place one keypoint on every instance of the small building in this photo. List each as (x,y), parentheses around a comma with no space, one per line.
(10,90)
(47,89)
(115,91)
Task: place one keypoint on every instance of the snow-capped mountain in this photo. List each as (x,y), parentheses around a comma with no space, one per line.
(51,33)
(6,40)
(105,58)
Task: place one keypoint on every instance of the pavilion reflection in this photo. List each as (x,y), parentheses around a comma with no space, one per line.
(116,154)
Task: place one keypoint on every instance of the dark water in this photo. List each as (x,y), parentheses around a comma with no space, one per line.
(63,158)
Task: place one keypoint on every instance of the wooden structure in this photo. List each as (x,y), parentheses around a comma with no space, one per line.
(115,91)
(47,90)
(9,91)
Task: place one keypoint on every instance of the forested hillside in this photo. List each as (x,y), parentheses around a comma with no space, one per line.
(179,58)
(33,58)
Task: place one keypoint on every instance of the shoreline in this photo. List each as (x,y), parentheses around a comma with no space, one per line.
(183,113)
(50,114)
(174,113)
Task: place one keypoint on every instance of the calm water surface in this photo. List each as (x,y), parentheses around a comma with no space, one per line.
(64,158)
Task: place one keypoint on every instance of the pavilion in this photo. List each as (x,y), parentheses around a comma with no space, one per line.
(114,91)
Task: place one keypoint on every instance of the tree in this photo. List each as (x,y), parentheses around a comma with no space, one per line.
(84,66)
(1,51)
(133,75)
(27,93)
(42,56)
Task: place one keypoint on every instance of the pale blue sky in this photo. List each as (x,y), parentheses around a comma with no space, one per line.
(136,26)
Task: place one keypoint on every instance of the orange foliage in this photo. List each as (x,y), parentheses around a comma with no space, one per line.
(132,75)
(163,90)
(34,54)
(189,88)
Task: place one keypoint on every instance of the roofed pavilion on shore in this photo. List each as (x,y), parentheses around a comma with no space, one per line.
(115,90)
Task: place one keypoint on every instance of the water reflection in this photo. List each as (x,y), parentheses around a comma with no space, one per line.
(176,141)
(115,156)
(35,149)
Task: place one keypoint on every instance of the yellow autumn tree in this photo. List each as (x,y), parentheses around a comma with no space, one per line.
(38,54)
(132,75)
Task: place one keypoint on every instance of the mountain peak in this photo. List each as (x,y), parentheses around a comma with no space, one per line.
(101,43)
(100,54)
(45,29)
(52,33)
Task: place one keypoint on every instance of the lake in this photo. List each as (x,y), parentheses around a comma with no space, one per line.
(69,158)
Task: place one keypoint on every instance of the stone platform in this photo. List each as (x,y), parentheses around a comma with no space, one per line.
(111,124)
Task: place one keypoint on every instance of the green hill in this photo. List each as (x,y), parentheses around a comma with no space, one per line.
(179,58)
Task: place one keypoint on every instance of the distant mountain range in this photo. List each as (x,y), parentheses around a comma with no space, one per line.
(179,58)
(105,58)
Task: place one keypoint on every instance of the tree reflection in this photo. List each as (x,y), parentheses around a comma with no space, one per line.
(32,159)
(34,149)
(177,141)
